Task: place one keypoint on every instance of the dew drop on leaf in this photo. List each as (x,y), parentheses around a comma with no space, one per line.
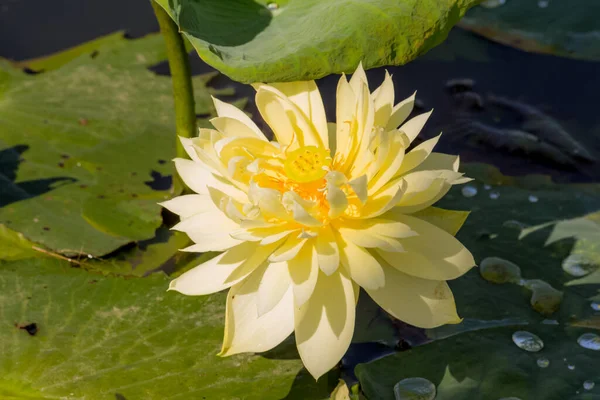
(499,270)
(595,306)
(589,341)
(414,389)
(493,3)
(578,265)
(588,385)
(533,199)
(494,195)
(543,362)
(527,341)
(469,191)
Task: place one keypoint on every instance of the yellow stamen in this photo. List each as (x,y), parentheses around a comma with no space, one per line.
(306,164)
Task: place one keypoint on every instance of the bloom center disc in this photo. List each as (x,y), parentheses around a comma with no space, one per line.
(306,164)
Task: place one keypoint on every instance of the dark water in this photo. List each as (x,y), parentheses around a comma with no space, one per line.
(562,88)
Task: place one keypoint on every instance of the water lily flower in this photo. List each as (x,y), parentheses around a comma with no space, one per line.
(303,222)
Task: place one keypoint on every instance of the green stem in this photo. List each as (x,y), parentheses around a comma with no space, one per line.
(183,93)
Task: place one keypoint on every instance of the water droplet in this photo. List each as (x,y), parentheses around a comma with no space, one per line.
(513,223)
(543,362)
(469,191)
(493,3)
(543,3)
(550,322)
(414,389)
(79,164)
(90,256)
(595,306)
(578,265)
(527,341)
(571,367)
(544,298)
(589,341)
(588,385)
(499,270)
(272,6)
(487,187)
(533,199)
(494,195)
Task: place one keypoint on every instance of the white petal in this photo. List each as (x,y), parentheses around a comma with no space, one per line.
(193,175)
(325,324)
(222,271)
(189,204)
(211,231)
(420,302)
(230,111)
(248,331)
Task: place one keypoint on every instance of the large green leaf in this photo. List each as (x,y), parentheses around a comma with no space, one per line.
(556,27)
(100,337)
(85,147)
(289,40)
(477,358)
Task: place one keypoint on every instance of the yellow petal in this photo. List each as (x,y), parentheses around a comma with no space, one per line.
(345,108)
(424,188)
(288,250)
(363,268)
(419,302)
(222,271)
(376,233)
(231,127)
(274,284)
(400,112)
(417,155)
(306,96)
(439,161)
(230,111)
(414,125)
(449,220)
(394,158)
(327,250)
(358,79)
(325,324)
(381,202)
(285,118)
(190,204)
(447,259)
(303,270)
(248,331)
(384,101)
(274,114)
(360,188)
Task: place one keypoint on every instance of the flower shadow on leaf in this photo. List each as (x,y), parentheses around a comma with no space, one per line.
(10,190)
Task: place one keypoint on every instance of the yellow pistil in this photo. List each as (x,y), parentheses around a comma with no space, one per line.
(306,164)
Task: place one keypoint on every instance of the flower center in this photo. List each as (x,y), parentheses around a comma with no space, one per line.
(306,164)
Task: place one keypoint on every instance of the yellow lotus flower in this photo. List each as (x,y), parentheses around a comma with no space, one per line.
(305,221)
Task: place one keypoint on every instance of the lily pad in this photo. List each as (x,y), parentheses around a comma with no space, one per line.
(99,337)
(568,29)
(477,358)
(292,40)
(86,146)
